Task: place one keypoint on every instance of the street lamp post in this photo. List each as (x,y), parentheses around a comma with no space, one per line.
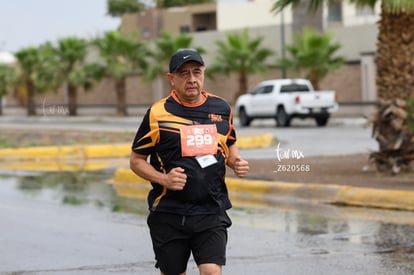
(282,42)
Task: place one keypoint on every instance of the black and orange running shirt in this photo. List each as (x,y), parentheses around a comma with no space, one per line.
(160,137)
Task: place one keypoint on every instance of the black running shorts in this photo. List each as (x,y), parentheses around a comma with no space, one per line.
(175,237)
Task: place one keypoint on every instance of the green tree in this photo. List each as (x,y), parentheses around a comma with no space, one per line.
(72,69)
(123,56)
(395,78)
(117,8)
(36,72)
(179,3)
(163,48)
(314,54)
(241,54)
(7,79)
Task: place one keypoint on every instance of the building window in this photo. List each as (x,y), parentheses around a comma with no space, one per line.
(184,29)
(335,12)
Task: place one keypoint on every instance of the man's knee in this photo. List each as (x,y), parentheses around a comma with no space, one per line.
(210,269)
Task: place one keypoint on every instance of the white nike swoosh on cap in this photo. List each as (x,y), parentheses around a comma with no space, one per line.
(187,56)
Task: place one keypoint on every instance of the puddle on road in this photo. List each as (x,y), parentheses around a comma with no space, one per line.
(80,188)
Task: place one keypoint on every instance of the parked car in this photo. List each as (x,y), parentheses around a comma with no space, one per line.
(285,99)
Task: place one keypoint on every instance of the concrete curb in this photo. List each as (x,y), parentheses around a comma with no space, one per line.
(68,152)
(262,193)
(61,165)
(327,193)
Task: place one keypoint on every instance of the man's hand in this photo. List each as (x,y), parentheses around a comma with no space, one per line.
(176,179)
(241,167)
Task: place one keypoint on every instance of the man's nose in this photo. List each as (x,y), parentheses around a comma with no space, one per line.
(191,77)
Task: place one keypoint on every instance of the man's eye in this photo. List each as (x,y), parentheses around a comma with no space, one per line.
(184,74)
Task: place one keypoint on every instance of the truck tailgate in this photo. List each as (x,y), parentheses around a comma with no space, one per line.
(321,99)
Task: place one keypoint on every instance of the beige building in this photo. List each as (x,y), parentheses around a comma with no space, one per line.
(354,28)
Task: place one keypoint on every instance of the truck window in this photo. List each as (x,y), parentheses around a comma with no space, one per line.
(290,88)
(264,90)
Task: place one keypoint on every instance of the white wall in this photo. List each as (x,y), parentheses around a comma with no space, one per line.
(248,14)
(355,40)
(257,13)
(351,18)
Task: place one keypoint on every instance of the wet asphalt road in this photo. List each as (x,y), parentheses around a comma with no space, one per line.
(42,232)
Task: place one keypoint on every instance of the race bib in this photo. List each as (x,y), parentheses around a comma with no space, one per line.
(198,140)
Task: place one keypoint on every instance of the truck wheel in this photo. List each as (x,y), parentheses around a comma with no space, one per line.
(244,118)
(282,119)
(321,120)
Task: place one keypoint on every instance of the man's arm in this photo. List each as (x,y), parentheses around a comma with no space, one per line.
(174,180)
(235,162)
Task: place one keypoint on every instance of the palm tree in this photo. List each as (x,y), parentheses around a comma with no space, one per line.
(240,54)
(313,53)
(395,78)
(117,8)
(7,78)
(73,72)
(164,47)
(179,3)
(123,55)
(36,72)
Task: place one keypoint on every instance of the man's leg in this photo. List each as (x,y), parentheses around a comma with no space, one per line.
(209,242)
(170,243)
(210,269)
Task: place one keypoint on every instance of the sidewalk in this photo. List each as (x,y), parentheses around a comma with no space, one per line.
(244,191)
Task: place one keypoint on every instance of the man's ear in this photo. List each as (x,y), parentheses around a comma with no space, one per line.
(170,77)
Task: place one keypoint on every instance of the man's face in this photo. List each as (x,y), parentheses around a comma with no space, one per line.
(188,81)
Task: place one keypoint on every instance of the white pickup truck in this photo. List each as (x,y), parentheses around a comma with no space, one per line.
(285,99)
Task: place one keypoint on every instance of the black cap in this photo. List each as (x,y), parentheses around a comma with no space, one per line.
(183,56)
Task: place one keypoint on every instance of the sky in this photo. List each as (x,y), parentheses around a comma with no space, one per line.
(26,23)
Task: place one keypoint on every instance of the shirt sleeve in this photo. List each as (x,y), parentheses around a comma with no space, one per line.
(146,136)
(232,132)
